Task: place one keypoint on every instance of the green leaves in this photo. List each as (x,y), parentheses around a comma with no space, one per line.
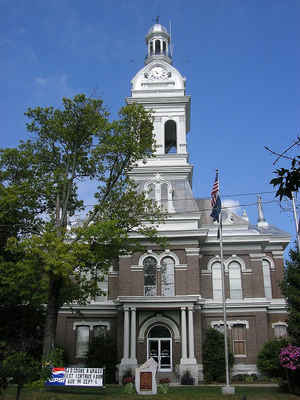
(290,287)
(39,195)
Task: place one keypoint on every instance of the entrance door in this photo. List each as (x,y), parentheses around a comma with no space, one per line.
(160,348)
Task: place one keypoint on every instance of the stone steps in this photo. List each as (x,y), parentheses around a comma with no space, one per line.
(164,375)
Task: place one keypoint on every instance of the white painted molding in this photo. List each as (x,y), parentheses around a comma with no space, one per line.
(90,324)
(230,323)
(270,260)
(279,323)
(159,258)
(192,251)
(159,320)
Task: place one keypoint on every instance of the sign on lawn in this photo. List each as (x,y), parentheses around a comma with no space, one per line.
(76,377)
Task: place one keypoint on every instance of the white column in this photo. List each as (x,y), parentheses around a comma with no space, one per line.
(133,334)
(191,334)
(183,335)
(126,334)
(161,46)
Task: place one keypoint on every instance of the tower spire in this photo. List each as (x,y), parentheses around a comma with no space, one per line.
(261,222)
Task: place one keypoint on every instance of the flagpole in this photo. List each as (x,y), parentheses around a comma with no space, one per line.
(216,215)
(224,300)
(296,221)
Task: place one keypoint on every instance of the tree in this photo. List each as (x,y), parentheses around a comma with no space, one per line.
(103,353)
(71,146)
(23,369)
(214,356)
(288,179)
(268,361)
(290,287)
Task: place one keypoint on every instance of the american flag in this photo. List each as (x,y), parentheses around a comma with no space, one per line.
(215,190)
(215,199)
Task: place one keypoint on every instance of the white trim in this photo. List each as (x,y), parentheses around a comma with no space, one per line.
(91,324)
(230,323)
(226,263)
(239,260)
(159,319)
(270,261)
(193,251)
(279,323)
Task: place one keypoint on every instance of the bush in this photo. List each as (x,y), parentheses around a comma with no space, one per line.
(214,356)
(103,354)
(268,361)
(56,358)
(162,388)
(129,388)
(187,378)
(23,369)
(128,377)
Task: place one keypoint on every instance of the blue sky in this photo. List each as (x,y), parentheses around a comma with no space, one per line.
(241,60)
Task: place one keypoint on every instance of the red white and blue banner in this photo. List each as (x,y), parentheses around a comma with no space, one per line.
(92,377)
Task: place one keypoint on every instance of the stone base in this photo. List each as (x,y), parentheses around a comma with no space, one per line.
(192,368)
(126,365)
(240,368)
(228,390)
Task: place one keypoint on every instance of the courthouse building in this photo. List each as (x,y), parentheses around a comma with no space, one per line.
(160,303)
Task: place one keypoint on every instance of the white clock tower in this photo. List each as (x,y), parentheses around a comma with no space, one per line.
(167,178)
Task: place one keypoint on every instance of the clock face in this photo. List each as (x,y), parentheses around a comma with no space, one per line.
(158,73)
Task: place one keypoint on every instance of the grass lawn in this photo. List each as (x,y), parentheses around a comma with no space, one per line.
(114,392)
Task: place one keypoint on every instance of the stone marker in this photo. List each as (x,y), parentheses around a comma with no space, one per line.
(145,382)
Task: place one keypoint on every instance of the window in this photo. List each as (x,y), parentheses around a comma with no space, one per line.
(164,48)
(150,276)
(82,341)
(238,335)
(167,277)
(217,280)
(267,279)
(157,46)
(99,330)
(164,197)
(280,331)
(235,280)
(170,137)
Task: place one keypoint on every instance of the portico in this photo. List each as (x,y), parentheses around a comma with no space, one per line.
(167,314)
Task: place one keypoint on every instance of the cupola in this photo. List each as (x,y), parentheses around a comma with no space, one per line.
(158,44)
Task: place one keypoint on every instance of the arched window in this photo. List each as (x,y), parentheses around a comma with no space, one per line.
(217,280)
(235,280)
(170,137)
(267,279)
(159,331)
(167,277)
(157,46)
(150,276)
(151,48)
(82,341)
(164,48)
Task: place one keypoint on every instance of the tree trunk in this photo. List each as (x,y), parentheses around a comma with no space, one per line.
(19,388)
(51,316)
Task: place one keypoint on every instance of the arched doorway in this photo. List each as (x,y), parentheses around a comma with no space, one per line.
(159,347)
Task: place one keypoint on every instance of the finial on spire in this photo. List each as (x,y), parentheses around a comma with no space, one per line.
(157,20)
(261,222)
